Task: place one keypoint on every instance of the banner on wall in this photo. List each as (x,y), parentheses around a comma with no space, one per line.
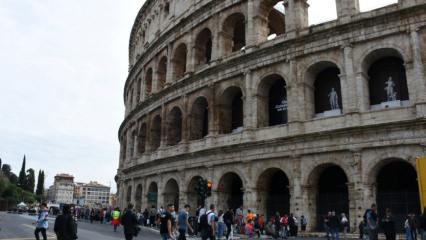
(421,179)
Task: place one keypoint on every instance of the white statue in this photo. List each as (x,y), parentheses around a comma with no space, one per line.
(390,91)
(334,99)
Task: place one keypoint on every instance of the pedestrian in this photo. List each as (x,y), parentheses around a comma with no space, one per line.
(92,215)
(145,217)
(412,221)
(270,228)
(166,230)
(261,222)
(327,225)
(130,223)
(371,221)
(344,222)
(228,218)
(65,227)
(183,223)
(116,218)
(388,224)
(220,225)
(42,223)
(303,223)
(277,224)
(211,221)
(334,226)
(361,229)
(152,214)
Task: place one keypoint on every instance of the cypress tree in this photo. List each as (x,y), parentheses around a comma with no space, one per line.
(40,183)
(0,163)
(22,179)
(30,182)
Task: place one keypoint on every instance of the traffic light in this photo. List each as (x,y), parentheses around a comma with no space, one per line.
(209,188)
(201,188)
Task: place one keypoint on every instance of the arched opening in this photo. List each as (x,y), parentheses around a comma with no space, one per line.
(387,79)
(231,111)
(273,192)
(327,91)
(179,61)
(194,199)
(332,192)
(273,11)
(171,194)
(138,90)
(152,195)
(199,127)
(272,101)
(156,133)
(129,195)
(132,143)
(162,72)
(397,189)
(138,198)
(142,139)
(234,33)
(148,81)
(230,191)
(203,47)
(174,127)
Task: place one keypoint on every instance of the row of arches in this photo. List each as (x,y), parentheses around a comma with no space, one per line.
(387,85)
(329,189)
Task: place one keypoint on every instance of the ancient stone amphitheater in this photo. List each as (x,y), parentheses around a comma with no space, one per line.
(280,115)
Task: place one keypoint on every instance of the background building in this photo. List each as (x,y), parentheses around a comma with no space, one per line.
(95,195)
(279,114)
(62,190)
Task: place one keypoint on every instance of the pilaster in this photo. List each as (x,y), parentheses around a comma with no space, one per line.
(249,102)
(348,81)
(346,9)
(296,16)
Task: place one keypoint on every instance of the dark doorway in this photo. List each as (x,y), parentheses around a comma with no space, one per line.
(174,127)
(156,133)
(199,119)
(332,194)
(278,102)
(152,194)
(380,72)
(237,111)
(325,82)
(231,190)
(397,189)
(273,187)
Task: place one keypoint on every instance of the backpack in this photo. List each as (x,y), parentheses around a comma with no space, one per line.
(204,224)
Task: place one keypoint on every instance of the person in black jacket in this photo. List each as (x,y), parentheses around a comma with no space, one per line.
(65,227)
(130,223)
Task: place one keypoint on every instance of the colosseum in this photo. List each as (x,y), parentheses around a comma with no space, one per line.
(281,115)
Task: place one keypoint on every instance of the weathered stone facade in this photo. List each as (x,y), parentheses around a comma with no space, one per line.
(199,99)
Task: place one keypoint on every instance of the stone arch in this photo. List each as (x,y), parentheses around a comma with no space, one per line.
(132,143)
(385,69)
(230,191)
(179,61)
(171,193)
(231,110)
(174,129)
(272,13)
(400,194)
(323,77)
(272,101)
(234,33)
(128,195)
(328,191)
(138,198)
(193,199)
(273,192)
(138,90)
(142,138)
(199,122)
(152,195)
(155,134)
(162,72)
(203,47)
(148,81)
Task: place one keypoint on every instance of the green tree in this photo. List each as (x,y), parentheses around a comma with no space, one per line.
(13,178)
(22,179)
(30,182)
(0,163)
(6,169)
(40,183)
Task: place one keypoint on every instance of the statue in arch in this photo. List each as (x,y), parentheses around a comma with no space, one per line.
(333,99)
(390,89)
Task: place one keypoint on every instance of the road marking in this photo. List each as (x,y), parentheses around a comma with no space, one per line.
(49,235)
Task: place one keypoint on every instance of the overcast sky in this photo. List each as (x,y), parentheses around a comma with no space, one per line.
(63,65)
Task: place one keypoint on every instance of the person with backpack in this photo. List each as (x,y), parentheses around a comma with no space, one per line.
(130,223)
(166,223)
(65,227)
(371,220)
(388,225)
(228,218)
(183,223)
(284,226)
(344,222)
(115,218)
(208,224)
(42,223)
(334,226)
(303,223)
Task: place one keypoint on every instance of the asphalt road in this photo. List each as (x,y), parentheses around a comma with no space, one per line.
(19,227)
